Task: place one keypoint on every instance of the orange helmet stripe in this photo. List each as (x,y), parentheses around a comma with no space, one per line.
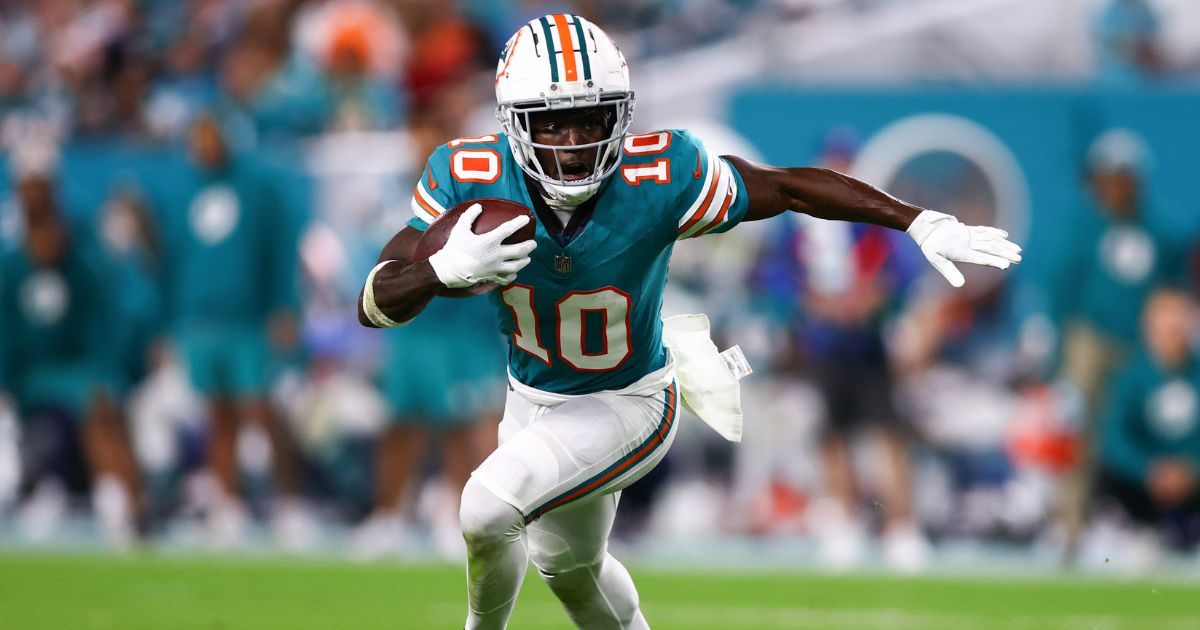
(568,50)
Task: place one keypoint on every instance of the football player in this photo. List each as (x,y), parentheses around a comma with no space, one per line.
(56,351)
(593,400)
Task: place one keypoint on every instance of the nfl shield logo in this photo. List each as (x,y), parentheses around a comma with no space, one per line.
(562,264)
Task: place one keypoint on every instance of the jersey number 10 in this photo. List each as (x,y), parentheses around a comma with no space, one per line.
(610,303)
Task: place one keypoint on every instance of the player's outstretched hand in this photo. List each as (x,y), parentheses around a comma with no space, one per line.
(945,241)
(469,258)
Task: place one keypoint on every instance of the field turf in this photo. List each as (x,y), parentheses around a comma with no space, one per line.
(57,591)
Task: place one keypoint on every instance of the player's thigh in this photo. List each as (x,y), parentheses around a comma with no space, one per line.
(573,536)
(588,446)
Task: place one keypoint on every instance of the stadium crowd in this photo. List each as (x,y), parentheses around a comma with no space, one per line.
(193,192)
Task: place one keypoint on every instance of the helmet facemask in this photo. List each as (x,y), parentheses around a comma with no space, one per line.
(515,118)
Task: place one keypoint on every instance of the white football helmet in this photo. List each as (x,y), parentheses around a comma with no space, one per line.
(556,62)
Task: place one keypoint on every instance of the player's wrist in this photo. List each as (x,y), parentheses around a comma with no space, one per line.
(373,312)
(925,223)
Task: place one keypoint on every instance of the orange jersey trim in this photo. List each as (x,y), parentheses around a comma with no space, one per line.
(425,204)
(703,209)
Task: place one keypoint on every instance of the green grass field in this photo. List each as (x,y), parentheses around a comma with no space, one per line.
(88,591)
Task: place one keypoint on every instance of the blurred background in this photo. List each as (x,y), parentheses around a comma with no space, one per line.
(191,193)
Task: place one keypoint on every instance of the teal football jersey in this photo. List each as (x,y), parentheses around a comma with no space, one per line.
(585,316)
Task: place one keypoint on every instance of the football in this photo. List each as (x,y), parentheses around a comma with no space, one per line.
(495,212)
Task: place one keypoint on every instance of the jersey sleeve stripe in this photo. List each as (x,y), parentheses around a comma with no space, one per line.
(732,194)
(421,213)
(436,208)
(700,206)
(714,210)
(424,206)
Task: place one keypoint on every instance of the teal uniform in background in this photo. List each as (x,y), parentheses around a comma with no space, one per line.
(231,264)
(56,348)
(1112,266)
(1151,413)
(138,308)
(427,376)
(585,316)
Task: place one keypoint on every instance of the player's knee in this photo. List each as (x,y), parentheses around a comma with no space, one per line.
(485,518)
(553,555)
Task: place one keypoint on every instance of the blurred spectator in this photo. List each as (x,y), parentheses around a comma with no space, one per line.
(280,93)
(59,362)
(1126,35)
(128,235)
(993,435)
(232,302)
(1150,453)
(844,280)
(435,390)
(187,85)
(1118,256)
(358,48)
(446,49)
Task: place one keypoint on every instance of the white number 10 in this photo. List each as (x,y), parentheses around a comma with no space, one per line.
(610,303)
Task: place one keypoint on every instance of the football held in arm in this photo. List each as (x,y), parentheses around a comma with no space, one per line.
(576,275)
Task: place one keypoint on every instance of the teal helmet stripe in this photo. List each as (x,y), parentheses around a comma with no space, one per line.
(550,51)
(583,52)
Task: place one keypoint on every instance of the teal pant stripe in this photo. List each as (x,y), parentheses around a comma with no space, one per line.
(644,450)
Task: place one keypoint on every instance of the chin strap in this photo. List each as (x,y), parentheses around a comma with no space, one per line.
(561,205)
(567,198)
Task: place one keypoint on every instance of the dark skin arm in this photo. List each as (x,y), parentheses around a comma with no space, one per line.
(821,193)
(403,288)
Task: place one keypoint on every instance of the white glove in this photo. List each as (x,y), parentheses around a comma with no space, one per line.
(945,241)
(469,258)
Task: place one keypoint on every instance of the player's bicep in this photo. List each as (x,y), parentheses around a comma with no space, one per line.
(766,196)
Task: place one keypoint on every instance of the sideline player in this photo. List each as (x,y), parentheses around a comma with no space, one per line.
(593,400)
(56,355)
(231,303)
(434,391)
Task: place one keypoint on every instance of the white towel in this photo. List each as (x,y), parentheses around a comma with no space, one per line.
(708,379)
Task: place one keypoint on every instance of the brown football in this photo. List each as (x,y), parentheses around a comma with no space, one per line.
(495,212)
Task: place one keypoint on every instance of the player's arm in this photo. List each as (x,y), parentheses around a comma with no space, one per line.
(827,194)
(398,289)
